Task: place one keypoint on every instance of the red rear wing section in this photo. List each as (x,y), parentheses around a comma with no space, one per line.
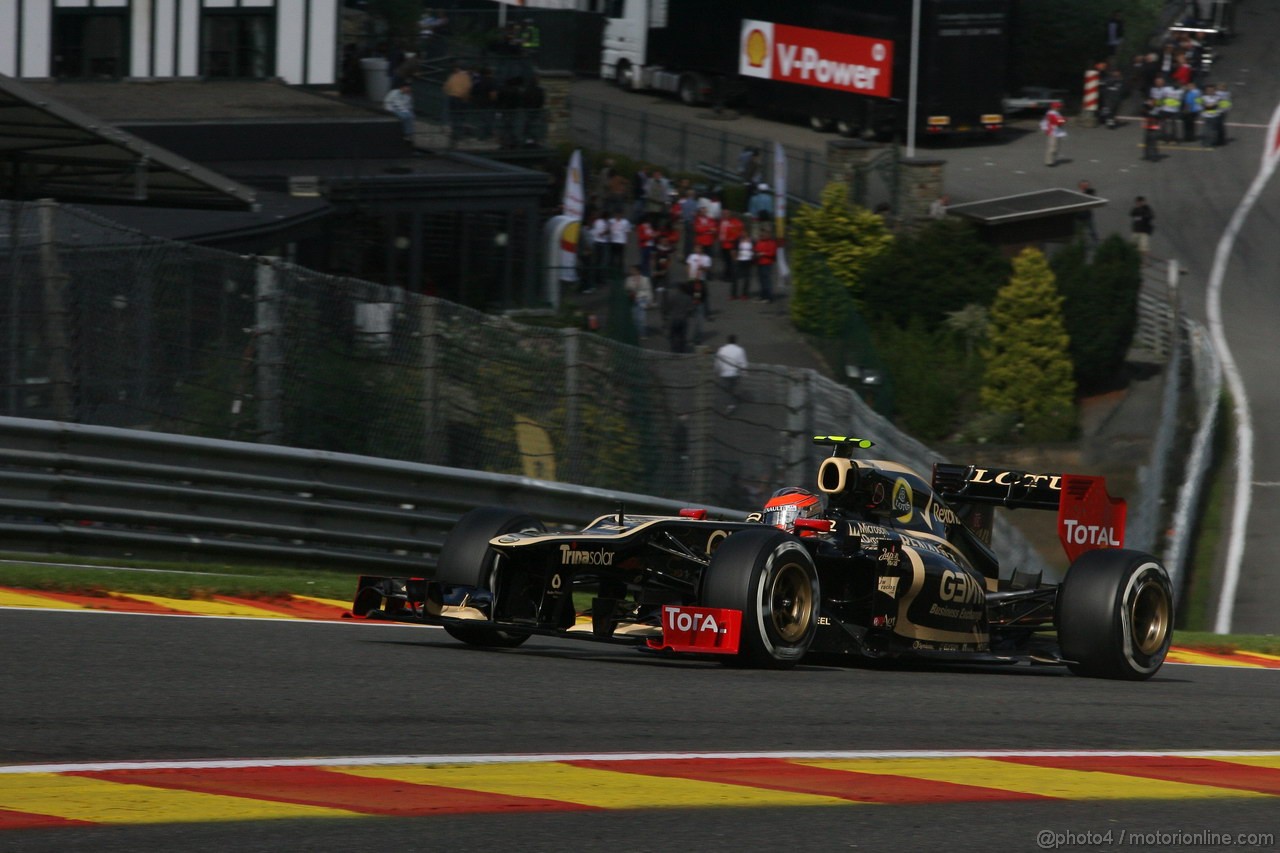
(1088,517)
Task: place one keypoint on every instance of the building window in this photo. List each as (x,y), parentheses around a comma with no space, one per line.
(89,44)
(237,45)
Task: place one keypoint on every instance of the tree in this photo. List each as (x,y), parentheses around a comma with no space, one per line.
(1027,356)
(1099,301)
(932,273)
(831,243)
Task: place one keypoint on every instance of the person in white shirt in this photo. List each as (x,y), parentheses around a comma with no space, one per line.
(599,251)
(698,267)
(745,254)
(731,360)
(640,292)
(619,229)
(399,102)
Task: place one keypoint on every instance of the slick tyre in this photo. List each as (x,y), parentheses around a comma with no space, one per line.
(467,560)
(769,576)
(1115,615)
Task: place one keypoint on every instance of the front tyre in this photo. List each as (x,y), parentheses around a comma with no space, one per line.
(467,560)
(769,576)
(1115,615)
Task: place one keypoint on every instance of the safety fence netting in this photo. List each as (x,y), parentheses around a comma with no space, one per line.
(108,327)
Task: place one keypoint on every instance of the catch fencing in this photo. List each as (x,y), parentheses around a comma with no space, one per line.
(109,328)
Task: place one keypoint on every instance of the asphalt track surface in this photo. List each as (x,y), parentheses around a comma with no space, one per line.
(97,687)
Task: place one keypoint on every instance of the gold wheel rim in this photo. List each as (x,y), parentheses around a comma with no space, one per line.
(1149,617)
(791,602)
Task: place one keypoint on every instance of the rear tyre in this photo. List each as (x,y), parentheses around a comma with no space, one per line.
(1115,615)
(467,560)
(769,576)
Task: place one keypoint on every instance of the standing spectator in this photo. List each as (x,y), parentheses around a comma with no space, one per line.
(660,274)
(599,250)
(1224,109)
(730,230)
(484,102)
(1112,95)
(938,207)
(1211,127)
(710,205)
(457,95)
(619,232)
(766,257)
(639,184)
(705,229)
(1151,124)
(510,115)
(744,254)
(760,205)
(731,360)
(1087,227)
(1115,34)
(656,192)
(1170,98)
(530,38)
(1051,127)
(640,292)
(698,267)
(1143,219)
(749,167)
(399,102)
(1192,107)
(646,235)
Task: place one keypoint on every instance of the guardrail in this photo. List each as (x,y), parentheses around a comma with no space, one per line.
(125,492)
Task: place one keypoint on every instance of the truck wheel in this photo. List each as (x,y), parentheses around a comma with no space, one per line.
(624,75)
(467,560)
(769,576)
(1115,615)
(691,89)
(846,128)
(820,124)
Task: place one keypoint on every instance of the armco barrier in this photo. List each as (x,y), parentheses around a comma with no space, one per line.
(72,488)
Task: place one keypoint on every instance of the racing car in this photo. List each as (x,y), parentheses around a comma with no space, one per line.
(877,563)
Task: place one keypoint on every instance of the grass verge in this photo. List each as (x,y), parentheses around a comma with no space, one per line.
(87,576)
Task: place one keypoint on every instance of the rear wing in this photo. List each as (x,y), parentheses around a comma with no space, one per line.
(1088,517)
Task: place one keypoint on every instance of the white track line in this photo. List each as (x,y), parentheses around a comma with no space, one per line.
(1244,422)
(530,758)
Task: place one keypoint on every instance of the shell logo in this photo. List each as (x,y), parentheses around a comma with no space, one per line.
(757,48)
(569,236)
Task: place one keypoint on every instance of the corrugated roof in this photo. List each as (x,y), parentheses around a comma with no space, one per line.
(1032,205)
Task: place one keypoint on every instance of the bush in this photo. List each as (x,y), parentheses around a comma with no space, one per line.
(932,273)
(1099,304)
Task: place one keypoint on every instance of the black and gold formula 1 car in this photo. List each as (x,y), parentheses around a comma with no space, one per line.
(879,564)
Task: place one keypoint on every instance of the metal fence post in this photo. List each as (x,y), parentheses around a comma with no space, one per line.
(270,350)
(700,434)
(571,401)
(429,353)
(54,283)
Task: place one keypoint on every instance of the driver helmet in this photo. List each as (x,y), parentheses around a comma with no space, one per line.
(788,504)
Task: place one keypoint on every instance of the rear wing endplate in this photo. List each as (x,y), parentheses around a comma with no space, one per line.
(1088,517)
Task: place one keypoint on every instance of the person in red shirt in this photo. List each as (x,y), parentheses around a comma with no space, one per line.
(645,236)
(730,231)
(705,230)
(766,257)
(1051,127)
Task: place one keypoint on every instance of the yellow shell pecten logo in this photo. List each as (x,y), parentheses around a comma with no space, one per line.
(757,48)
